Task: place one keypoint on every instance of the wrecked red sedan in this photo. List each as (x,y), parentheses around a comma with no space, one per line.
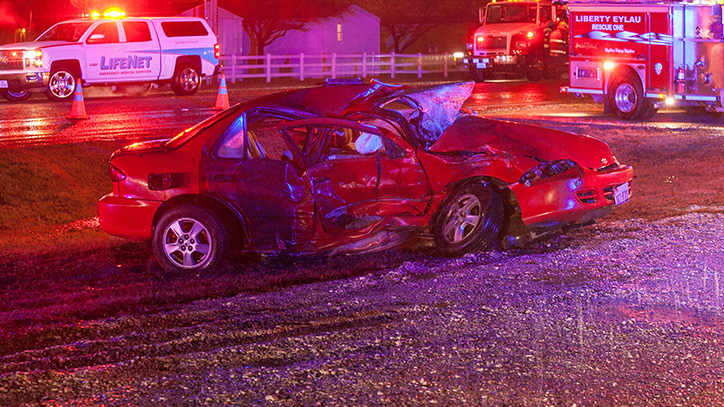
(355,167)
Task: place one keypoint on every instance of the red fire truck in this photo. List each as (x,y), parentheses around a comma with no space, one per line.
(637,56)
(529,37)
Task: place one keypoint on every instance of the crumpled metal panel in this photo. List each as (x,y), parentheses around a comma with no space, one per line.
(476,134)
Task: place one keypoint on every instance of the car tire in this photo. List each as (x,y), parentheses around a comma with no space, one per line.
(469,220)
(190,238)
(626,98)
(15,96)
(186,81)
(61,84)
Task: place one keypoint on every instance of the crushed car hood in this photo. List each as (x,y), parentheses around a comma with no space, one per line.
(480,135)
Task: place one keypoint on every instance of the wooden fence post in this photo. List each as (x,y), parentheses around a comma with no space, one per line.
(268,68)
(301,66)
(364,64)
(444,66)
(419,65)
(392,65)
(334,65)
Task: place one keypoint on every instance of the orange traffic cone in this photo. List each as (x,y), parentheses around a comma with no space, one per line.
(222,99)
(77,109)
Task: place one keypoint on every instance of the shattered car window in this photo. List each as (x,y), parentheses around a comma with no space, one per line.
(259,139)
(431,110)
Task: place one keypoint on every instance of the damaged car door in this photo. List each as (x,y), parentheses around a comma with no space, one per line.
(354,171)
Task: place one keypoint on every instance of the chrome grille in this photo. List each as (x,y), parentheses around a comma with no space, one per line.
(8,62)
(491,42)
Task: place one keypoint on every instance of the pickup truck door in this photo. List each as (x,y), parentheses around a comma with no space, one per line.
(122,51)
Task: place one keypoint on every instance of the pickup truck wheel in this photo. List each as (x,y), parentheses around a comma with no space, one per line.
(469,220)
(186,81)
(15,96)
(190,238)
(61,84)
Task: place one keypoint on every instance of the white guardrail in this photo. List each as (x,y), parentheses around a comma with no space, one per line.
(240,67)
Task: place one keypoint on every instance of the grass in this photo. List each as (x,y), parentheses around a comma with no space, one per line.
(46,187)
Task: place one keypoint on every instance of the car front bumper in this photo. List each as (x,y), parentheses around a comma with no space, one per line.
(128,218)
(18,81)
(573,198)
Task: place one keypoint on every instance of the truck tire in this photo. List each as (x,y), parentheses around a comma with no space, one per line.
(478,75)
(535,66)
(626,97)
(61,84)
(15,96)
(186,80)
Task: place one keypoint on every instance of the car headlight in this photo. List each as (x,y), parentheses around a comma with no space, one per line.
(546,170)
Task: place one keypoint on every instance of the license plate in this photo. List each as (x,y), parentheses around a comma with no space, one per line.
(621,194)
(4,84)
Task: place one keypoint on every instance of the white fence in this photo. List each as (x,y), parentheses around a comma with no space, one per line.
(238,67)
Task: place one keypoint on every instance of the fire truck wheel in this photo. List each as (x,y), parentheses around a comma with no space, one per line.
(626,98)
(479,75)
(536,66)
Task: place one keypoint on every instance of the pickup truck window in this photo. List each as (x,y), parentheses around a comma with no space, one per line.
(104,34)
(136,31)
(184,29)
(70,32)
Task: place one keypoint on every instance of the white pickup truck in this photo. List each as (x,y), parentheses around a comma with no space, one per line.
(123,52)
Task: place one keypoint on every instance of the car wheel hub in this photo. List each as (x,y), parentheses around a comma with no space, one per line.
(62,84)
(462,219)
(187,243)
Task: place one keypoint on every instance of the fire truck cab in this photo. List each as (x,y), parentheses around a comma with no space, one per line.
(635,57)
(528,36)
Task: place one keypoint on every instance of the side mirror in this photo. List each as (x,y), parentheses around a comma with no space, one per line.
(481,15)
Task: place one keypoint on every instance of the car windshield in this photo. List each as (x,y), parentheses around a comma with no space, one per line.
(510,13)
(69,32)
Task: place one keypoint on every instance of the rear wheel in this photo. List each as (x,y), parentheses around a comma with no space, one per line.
(626,98)
(469,220)
(186,81)
(15,96)
(61,84)
(190,238)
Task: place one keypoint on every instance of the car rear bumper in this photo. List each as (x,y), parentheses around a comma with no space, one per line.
(128,218)
(571,199)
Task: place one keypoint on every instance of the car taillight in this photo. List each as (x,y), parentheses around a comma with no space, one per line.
(217,51)
(115,174)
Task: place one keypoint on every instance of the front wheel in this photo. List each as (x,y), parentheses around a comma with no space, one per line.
(186,81)
(15,96)
(61,84)
(190,238)
(626,98)
(479,75)
(469,220)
